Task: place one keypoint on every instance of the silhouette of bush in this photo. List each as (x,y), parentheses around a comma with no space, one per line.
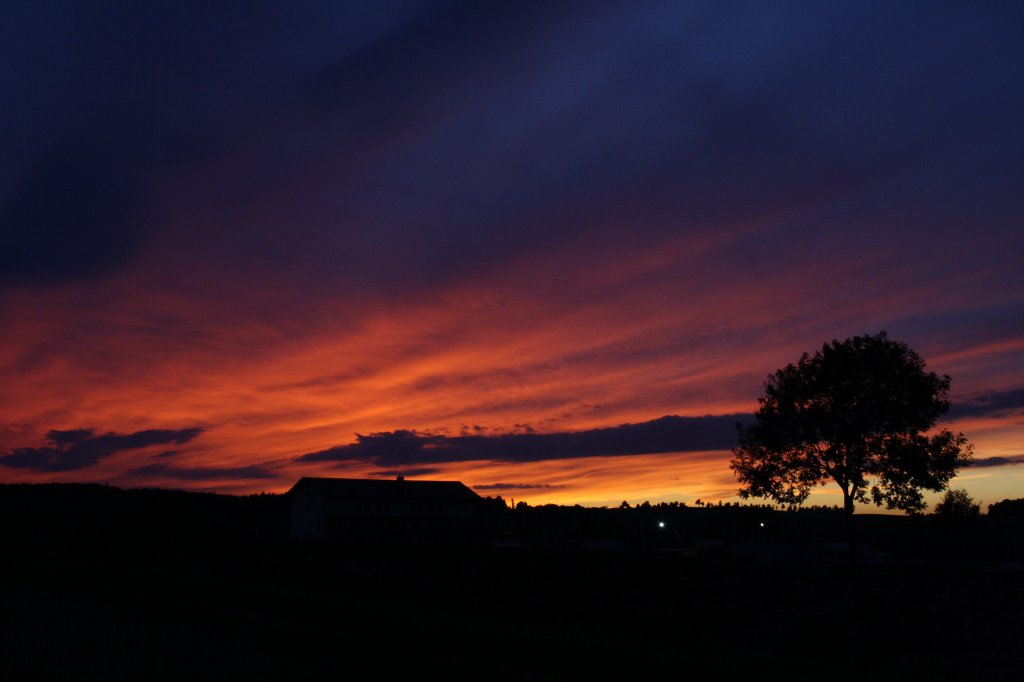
(1008,508)
(957,504)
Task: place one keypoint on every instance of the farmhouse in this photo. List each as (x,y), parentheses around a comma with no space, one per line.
(380,511)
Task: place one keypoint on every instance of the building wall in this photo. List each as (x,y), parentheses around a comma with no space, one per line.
(313,517)
(399,508)
(307,515)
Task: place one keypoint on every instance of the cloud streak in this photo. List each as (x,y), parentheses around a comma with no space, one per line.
(81,448)
(985,462)
(395,473)
(988,404)
(515,486)
(167,471)
(406,447)
(667,434)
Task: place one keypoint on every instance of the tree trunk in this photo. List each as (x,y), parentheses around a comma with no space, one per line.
(851,541)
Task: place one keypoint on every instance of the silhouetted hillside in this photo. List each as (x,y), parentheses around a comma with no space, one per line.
(82,512)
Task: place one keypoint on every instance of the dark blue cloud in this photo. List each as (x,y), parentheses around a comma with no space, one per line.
(252,472)
(404,448)
(65,438)
(81,448)
(667,434)
(394,473)
(998,461)
(991,403)
(514,486)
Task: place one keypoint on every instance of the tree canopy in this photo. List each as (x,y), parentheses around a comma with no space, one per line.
(958,504)
(859,412)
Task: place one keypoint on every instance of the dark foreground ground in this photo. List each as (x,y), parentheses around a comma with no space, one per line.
(281,610)
(83,604)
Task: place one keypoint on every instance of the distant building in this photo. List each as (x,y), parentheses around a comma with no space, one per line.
(383,511)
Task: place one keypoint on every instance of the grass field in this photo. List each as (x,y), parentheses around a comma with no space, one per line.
(282,610)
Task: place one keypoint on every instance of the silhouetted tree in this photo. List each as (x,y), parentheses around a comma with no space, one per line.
(856,413)
(957,503)
(1007,508)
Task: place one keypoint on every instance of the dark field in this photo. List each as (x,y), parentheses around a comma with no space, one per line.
(115,601)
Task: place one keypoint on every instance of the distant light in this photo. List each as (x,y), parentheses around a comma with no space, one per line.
(762,524)
(661,524)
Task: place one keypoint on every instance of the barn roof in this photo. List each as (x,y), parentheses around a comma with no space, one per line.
(387,488)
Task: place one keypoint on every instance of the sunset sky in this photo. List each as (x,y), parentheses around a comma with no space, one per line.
(551,250)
